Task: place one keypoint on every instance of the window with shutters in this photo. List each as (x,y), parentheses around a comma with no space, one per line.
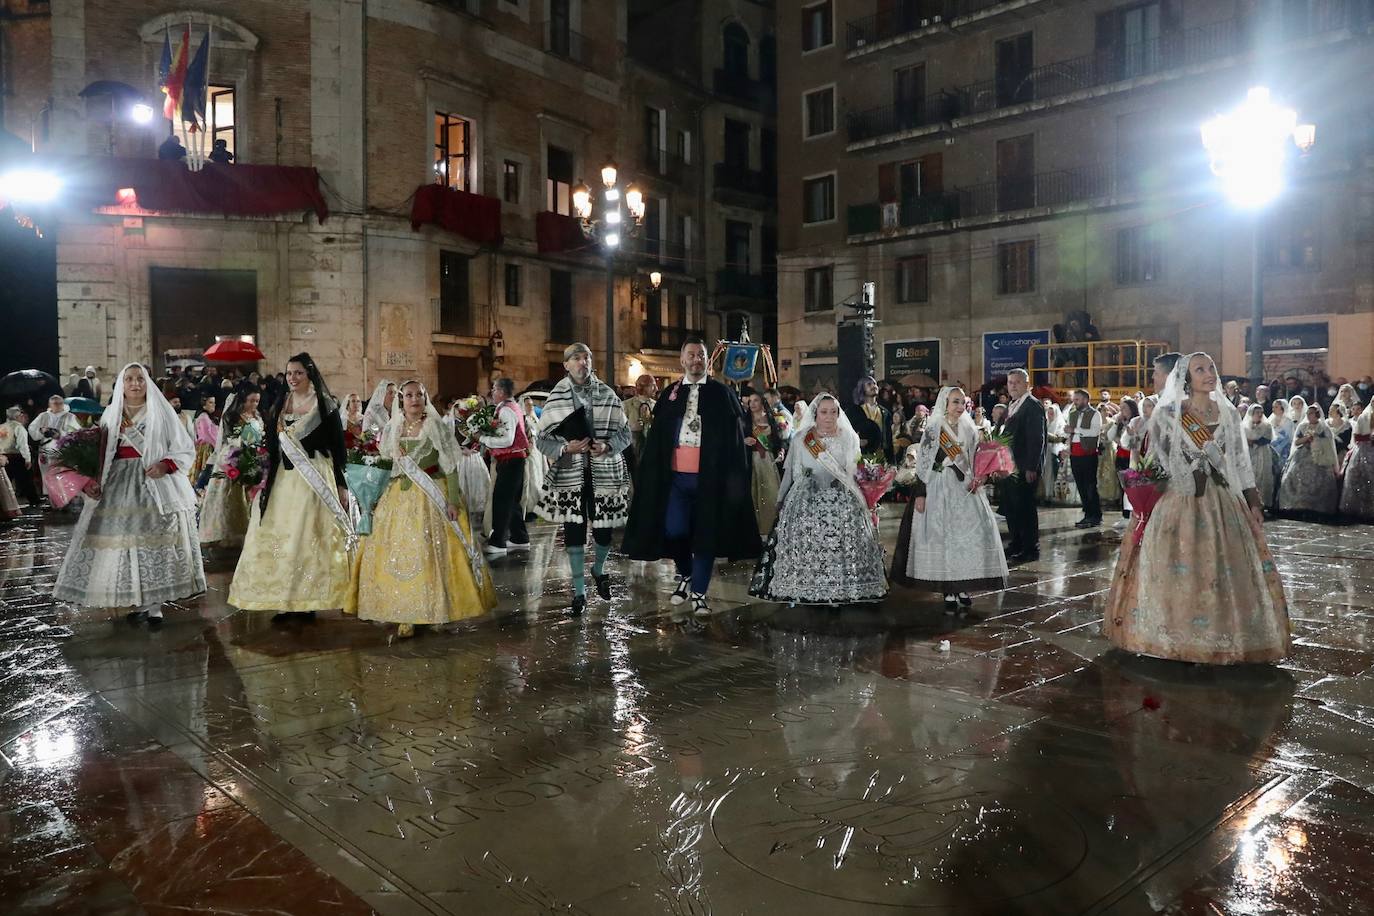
(818,199)
(452,151)
(1291,238)
(1016,267)
(513,285)
(1129,40)
(914,188)
(559,169)
(1139,255)
(913,278)
(561,306)
(820,289)
(818,26)
(819,110)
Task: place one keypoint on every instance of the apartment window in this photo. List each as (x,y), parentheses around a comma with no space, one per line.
(1016,267)
(818,199)
(820,112)
(513,285)
(561,306)
(1139,256)
(913,279)
(818,26)
(738,242)
(1290,239)
(735,46)
(455,304)
(559,168)
(510,181)
(653,133)
(452,151)
(820,289)
(684,234)
(684,146)
(222,118)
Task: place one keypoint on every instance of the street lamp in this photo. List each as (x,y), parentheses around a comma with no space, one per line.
(1249,149)
(620,218)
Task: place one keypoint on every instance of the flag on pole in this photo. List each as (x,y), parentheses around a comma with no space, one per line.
(164,64)
(176,77)
(195,86)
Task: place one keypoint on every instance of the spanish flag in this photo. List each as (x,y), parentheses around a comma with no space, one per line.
(172,73)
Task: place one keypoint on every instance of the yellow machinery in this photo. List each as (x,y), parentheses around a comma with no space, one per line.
(1123,367)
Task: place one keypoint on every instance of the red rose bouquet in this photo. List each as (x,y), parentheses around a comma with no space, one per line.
(1143,485)
(73,462)
(874,478)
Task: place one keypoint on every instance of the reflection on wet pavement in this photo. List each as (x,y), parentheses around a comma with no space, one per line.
(770,760)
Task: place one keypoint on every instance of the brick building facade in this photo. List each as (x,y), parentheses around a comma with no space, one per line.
(993,166)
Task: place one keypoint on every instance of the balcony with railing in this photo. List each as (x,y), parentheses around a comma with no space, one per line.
(569,45)
(739,87)
(1031,192)
(914,211)
(901,118)
(987,201)
(907,20)
(743,185)
(662,337)
(731,281)
(666,165)
(1173,52)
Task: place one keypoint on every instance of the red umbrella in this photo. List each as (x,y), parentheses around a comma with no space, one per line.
(233,351)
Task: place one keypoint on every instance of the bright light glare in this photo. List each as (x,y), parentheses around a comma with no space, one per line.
(613,217)
(142,113)
(612,194)
(613,240)
(29,186)
(1248,147)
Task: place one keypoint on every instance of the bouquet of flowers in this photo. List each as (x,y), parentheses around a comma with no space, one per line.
(73,462)
(245,464)
(874,478)
(1143,485)
(481,421)
(367,474)
(992,458)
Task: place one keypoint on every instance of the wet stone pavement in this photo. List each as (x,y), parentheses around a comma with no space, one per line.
(771,760)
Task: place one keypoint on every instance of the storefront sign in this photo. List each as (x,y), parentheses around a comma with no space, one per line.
(903,357)
(1007,350)
(1281,337)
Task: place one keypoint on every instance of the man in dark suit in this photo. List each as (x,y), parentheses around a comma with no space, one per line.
(1025,423)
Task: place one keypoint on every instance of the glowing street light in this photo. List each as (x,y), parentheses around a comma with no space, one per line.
(141,113)
(1249,148)
(615,224)
(29,186)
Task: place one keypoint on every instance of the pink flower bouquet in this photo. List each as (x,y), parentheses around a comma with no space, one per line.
(992,459)
(874,478)
(1143,486)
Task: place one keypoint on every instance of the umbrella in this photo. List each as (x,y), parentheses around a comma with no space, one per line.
(917,380)
(28,383)
(87,406)
(233,351)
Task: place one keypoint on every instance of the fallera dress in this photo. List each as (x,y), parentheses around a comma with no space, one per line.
(224,511)
(295,554)
(1309,482)
(413,568)
(1202,585)
(765,482)
(1357,490)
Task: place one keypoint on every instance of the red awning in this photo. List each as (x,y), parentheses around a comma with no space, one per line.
(231,190)
(473,216)
(555,232)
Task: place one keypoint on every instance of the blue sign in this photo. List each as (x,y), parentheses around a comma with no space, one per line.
(740,360)
(1007,350)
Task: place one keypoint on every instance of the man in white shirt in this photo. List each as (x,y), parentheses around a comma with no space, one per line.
(14,445)
(52,424)
(1084,429)
(510,449)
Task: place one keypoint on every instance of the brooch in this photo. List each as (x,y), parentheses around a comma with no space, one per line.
(672,395)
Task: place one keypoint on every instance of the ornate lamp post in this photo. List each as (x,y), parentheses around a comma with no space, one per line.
(1249,149)
(609,228)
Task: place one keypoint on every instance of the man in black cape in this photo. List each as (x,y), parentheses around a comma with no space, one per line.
(692,500)
(1025,424)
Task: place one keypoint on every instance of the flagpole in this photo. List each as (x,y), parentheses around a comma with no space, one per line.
(205,88)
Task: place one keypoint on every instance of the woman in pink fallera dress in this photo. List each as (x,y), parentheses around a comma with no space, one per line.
(1206,588)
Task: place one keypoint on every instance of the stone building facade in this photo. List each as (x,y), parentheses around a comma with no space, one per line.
(993,166)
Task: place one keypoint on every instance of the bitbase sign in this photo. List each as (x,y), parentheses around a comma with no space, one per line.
(903,357)
(1008,350)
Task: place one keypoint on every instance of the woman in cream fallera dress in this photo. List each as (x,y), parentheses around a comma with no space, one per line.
(421,564)
(1204,587)
(295,554)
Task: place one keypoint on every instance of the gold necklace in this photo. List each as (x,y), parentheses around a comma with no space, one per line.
(411,428)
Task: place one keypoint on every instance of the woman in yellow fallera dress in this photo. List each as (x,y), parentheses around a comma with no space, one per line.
(295,553)
(421,564)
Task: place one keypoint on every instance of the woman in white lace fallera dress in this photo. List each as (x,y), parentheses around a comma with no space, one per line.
(1259,436)
(1310,485)
(1357,493)
(135,544)
(823,549)
(955,546)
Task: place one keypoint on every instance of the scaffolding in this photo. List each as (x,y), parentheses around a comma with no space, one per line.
(1122,367)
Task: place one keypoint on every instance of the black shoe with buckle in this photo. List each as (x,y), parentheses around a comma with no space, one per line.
(603,586)
(579,605)
(684,585)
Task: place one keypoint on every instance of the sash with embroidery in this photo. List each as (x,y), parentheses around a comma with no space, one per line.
(440,502)
(324,489)
(1197,430)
